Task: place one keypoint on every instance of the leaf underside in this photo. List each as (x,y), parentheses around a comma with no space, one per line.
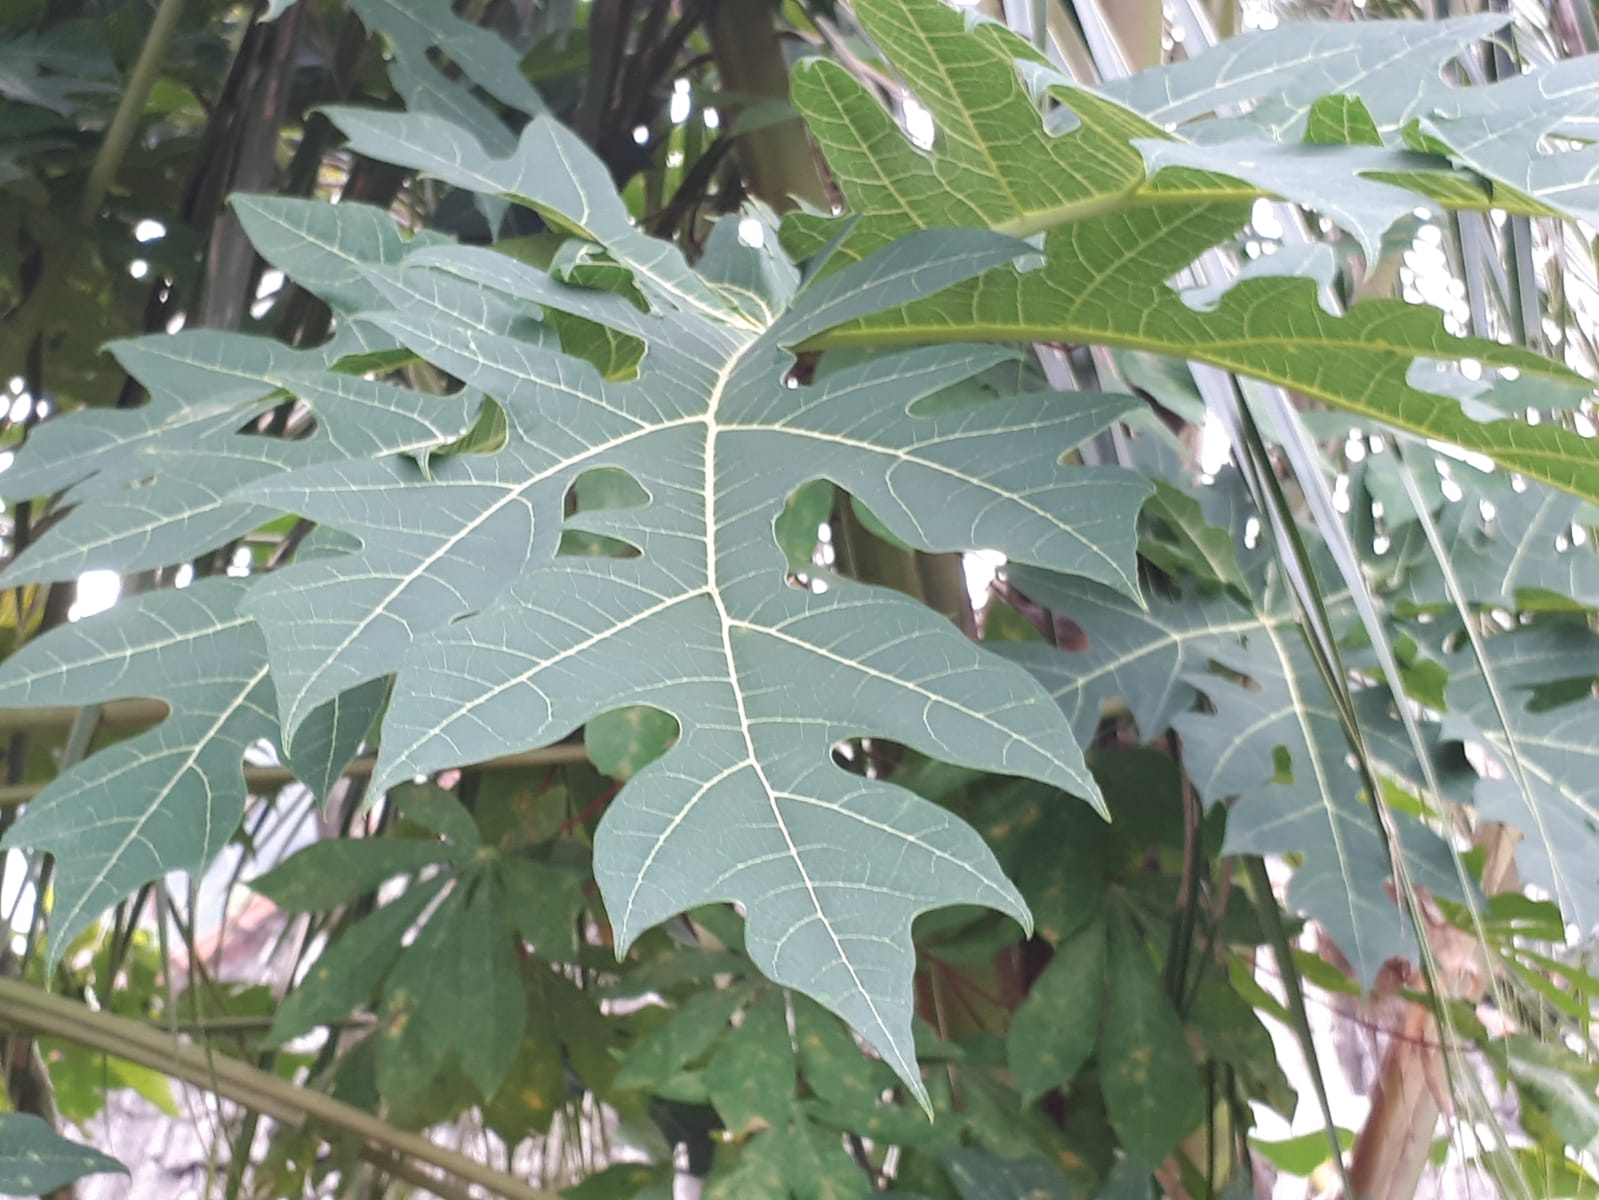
(457,582)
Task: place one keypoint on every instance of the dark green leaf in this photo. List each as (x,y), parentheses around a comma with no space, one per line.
(438,811)
(979,1175)
(1057,1027)
(348,972)
(1152,1087)
(833,1065)
(545,902)
(687,1034)
(338,871)
(751,1076)
(624,742)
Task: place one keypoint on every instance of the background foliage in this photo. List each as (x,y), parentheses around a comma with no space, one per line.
(505,683)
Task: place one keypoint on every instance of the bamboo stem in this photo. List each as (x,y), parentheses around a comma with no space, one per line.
(1411,1093)
(777,159)
(36,1012)
(123,124)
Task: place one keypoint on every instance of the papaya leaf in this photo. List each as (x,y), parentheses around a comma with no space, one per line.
(203,388)
(419,33)
(1291,67)
(1113,239)
(35,1160)
(1523,556)
(460,567)
(1272,740)
(167,799)
(1547,784)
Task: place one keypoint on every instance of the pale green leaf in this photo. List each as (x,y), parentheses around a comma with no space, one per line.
(330,738)
(36,1160)
(703,623)
(1547,781)
(165,800)
(1523,555)
(1277,745)
(1299,62)
(1205,551)
(1348,82)
(1272,739)
(420,33)
(203,388)
(1337,181)
(328,249)
(1145,658)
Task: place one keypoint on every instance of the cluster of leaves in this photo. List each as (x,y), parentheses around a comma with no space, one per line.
(570,481)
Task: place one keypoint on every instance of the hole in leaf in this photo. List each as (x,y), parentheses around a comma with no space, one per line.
(798,528)
(1069,635)
(874,757)
(624,741)
(592,504)
(614,355)
(488,434)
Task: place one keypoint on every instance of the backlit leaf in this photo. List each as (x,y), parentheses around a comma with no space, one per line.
(1113,241)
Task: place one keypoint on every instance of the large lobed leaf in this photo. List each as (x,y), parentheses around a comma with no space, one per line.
(1296,109)
(502,642)
(203,388)
(1115,238)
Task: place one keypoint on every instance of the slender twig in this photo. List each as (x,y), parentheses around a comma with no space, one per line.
(265,779)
